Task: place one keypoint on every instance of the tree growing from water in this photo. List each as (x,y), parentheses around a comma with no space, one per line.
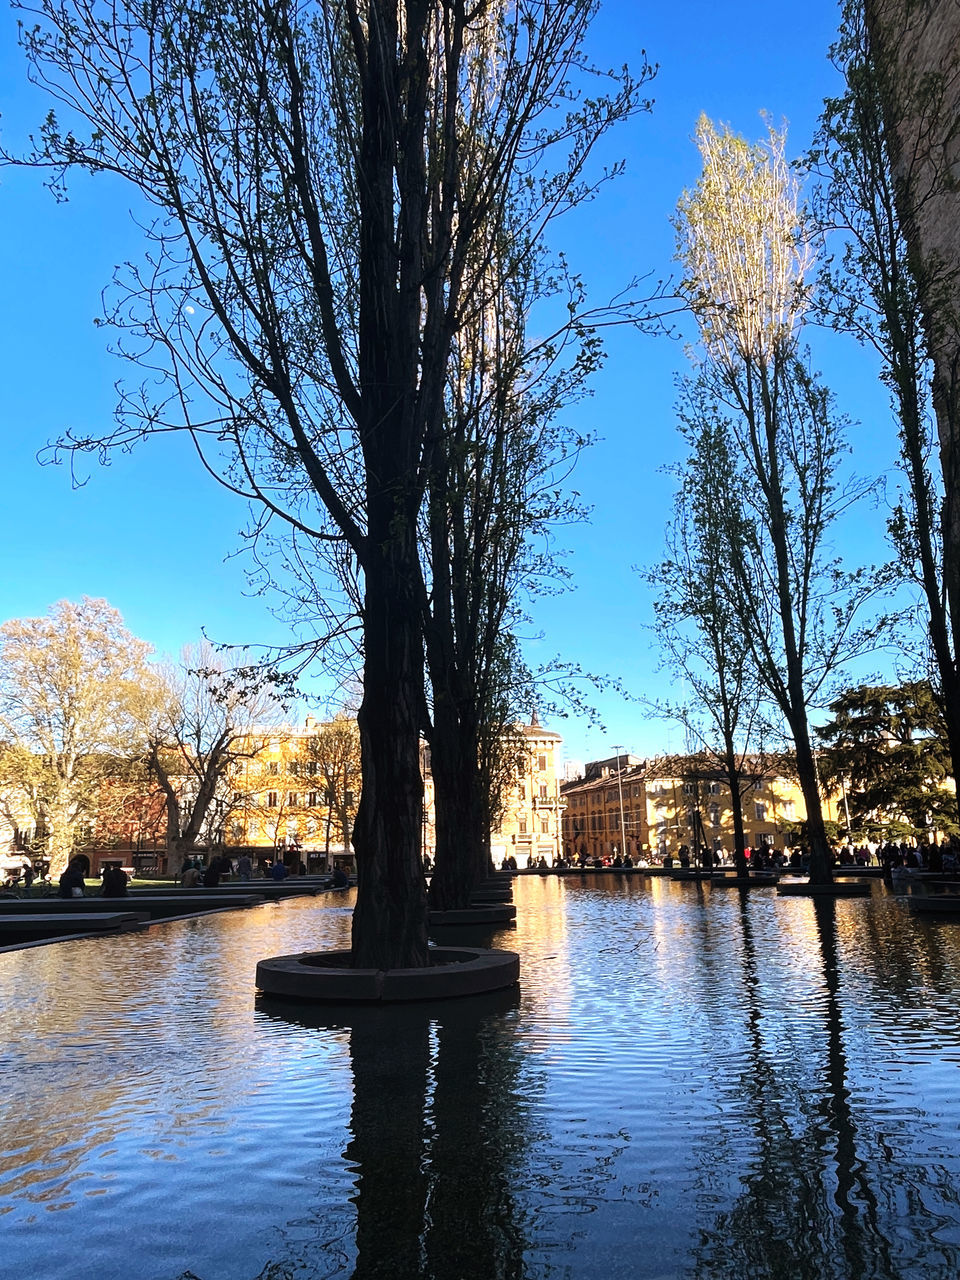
(699,624)
(742,244)
(327,183)
(494,496)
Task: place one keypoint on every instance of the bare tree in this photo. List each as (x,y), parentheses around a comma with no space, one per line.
(331,755)
(204,724)
(330,179)
(72,687)
(742,244)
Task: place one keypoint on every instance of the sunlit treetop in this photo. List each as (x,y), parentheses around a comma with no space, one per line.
(741,241)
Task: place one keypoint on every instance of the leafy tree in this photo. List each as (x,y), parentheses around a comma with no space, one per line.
(887,751)
(330,179)
(72,688)
(698,622)
(742,246)
(912,65)
(873,288)
(494,493)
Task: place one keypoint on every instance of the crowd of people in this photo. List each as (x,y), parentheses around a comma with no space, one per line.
(943,857)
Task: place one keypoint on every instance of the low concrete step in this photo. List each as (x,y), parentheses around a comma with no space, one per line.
(17,929)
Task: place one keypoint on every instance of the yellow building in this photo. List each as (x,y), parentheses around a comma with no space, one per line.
(532,805)
(532,818)
(606,811)
(649,809)
(298,792)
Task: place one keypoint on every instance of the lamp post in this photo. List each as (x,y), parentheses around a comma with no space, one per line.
(623,838)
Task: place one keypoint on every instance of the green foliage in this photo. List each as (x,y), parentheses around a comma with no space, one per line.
(875,287)
(886,748)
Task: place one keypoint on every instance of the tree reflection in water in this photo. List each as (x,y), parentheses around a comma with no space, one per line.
(436,1130)
(818,1202)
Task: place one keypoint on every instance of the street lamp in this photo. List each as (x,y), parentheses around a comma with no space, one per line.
(623,838)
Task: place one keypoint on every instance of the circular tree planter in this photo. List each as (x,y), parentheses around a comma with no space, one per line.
(482,913)
(760,881)
(326,977)
(839,889)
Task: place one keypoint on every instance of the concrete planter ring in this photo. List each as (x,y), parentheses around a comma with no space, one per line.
(326,976)
(838,889)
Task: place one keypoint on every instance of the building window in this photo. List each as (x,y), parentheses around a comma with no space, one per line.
(271,799)
(714,788)
(790,810)
(715,815)
(292,799)
(543,791)
(312,800)
(523,791)
(688,788)
(522,825)
(274,767)
(542,763)
(760,811)
(294,767)
(545,826)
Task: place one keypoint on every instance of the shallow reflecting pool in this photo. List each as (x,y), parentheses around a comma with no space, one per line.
(689,1083)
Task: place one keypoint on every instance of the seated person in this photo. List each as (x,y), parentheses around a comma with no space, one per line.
(211,877)
(114,884)
(71,882)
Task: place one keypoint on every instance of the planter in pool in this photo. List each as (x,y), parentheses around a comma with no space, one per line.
(327,976)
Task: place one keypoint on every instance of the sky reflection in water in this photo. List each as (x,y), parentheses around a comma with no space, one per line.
(689,1083)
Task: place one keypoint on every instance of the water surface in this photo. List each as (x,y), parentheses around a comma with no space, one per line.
(689,1083)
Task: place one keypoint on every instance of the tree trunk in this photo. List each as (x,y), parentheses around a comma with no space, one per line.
(459,810)
(734,780)
(794,704)
(820,872)
(390,920)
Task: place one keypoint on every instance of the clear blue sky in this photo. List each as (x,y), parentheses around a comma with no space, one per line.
(153,534)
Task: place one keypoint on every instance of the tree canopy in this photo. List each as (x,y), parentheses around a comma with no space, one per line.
(887,751)
(331,181)
(73,687)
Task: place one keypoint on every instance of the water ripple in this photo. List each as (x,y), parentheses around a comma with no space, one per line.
(688,1084)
